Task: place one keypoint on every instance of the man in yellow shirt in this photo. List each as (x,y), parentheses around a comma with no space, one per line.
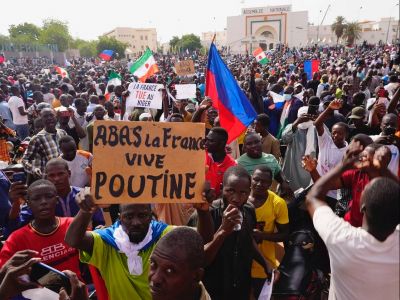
(272,222)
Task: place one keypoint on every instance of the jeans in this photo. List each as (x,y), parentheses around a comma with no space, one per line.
(22,131)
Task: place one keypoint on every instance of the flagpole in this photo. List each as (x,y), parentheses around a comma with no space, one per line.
(213,39)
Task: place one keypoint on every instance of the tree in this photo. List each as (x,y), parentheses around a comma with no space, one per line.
(174,42)
(352,32)
(187,41)
(86,48)
(190,42)
(55,32)
(110,43)
(4,39)
(338,27)
(26,31)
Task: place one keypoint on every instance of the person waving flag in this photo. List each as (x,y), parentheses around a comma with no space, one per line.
(145,66)
(260,56)
(235,110)
(106,55)
(62,72)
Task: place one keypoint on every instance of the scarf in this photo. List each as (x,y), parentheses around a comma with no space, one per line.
(284,117)
(117,238)
(310,136)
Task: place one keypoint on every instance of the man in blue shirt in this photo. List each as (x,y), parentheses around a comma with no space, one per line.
(5,204)
(58,173)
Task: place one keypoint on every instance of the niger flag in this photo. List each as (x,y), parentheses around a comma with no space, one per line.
(145,66)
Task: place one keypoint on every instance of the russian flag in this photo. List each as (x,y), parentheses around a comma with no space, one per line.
(235,111)
(310,67)
(106,54)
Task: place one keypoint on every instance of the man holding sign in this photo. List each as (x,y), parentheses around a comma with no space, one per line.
(136,177)
(150,162)
(147,95)
(121,252)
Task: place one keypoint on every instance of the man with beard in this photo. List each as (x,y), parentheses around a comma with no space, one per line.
(121,252)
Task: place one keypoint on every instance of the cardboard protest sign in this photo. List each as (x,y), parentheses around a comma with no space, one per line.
(185,91)
(148,162)
(184,68)
(146,95)
(290,60)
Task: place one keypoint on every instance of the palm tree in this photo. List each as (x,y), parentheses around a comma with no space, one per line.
(338,27)
(352,32)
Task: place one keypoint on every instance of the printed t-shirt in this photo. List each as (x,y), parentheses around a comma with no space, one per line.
(274,210)
(113,267)
(51,247)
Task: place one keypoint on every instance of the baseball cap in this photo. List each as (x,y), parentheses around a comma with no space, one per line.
(358,113)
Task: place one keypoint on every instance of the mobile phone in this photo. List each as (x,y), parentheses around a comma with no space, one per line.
(312,110)
(50,278)
(19,177)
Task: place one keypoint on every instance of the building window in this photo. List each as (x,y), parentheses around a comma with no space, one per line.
(267,35)
(141,37)
(142,47)
(145,37)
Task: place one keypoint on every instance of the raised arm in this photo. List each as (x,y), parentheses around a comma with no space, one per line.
(204,105)
(79,130)
(77,236)
(230,218)
(316,196)
(394,101)
(319,122)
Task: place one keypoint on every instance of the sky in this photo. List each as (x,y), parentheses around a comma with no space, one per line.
(88,19)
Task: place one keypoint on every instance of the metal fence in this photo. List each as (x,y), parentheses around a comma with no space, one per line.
(16,47)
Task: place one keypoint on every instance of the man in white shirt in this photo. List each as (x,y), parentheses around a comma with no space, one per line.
(392,85)
(333,146)
(20,115)
(78,161)
(364,261)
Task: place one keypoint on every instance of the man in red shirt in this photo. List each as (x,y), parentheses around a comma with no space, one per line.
(45,233)
(217,160)
(357,178)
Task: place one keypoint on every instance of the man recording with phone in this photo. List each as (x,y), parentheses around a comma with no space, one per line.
(387,137)
(45,233)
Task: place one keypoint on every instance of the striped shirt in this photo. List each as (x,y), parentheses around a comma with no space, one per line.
(42,147)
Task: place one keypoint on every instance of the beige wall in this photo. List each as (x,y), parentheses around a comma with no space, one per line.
(137,38)
(372,32)
(220,38)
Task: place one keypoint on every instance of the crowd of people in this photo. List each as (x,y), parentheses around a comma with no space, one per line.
(334,141)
